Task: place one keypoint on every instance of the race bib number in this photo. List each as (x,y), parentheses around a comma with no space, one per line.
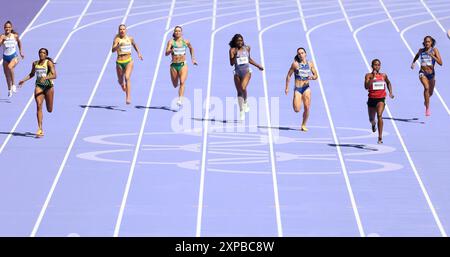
(426,60)
(41,73)
(125,48)
(303,73)
(242,60)
(378,85)
(10,44)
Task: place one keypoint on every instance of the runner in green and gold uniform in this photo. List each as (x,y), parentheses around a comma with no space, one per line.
(178,68)
(45,72)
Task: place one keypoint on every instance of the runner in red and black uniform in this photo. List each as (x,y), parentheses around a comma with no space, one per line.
(376,82)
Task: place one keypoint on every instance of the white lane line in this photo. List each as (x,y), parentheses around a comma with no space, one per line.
(206,117)
(405,149)
(258,19)
(434,17)
(205,131)
(69,149)
(416,173)
(302,17)
(269,130)
(144,121)
(213,26)
(151,95)
(333,130)
(345,15)
(172,7)
(389,15)
(82,14)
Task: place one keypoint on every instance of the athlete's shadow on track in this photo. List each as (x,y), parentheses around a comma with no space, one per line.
(5,101)
(358,146)
(165,108)
(214,120)
(279,128)
(18,134)
(411,120)
(106,107)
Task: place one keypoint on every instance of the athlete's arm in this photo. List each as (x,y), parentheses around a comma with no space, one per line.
(288,77)
(232,54)
(389,86)
(169,48)
(19,43)
(191,50)
(136,48)
(115,45)
(313,70)
(251,61)
(436,56)
(367,80)
(415,58)
(52,73)
(29,76)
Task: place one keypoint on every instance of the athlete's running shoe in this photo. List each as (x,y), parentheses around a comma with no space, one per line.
(245,106)
(40,133)
(242,115)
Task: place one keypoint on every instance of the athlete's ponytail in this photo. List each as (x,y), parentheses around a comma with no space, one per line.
(46,52)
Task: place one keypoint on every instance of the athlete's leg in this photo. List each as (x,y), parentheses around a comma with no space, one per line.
(49,93)
(297,101)
(11,67)
(380,110)
(244,84)
(426,91)
(306,97)
(372,111)
(432,83)
(39,98)
(237,84)
(183,76)
(128,71)
(174,76)
(7,74)
(120,74)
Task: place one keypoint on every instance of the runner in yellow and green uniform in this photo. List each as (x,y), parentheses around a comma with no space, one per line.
(124,64)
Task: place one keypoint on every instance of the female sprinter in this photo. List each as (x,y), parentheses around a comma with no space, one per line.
(241,59)
(429,55)
(376,82)
(45,72)
(178,67)
(9,40)
(304,71)
(124,64)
